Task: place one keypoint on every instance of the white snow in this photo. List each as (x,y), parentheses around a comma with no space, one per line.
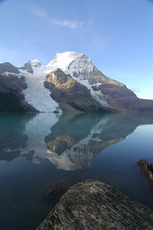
(35,63)
(62,60)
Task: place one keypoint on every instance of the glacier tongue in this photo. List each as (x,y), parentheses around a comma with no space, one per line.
(36,94)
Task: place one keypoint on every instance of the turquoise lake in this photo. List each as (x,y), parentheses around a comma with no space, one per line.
(38,150)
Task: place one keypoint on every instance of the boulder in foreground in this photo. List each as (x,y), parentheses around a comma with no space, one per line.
(96,206)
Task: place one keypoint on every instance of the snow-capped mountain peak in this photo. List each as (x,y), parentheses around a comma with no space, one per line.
(63,60)
(82,69)
(76,64)
(30,66)
(35,63)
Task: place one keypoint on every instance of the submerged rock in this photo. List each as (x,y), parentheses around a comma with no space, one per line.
(57,189)
(147,172)
(94,205)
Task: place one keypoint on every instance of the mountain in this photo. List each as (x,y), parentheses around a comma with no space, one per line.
(69,83)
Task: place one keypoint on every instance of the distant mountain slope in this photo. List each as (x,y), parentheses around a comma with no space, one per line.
(11,97)
(69,83)
(8,67)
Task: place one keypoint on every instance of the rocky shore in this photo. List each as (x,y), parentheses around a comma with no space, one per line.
(94,205)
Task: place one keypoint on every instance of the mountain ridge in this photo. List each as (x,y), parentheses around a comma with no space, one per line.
(44,94)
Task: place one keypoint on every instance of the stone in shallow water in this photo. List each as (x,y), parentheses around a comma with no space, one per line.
(57,189)
(147,172)
(94,205)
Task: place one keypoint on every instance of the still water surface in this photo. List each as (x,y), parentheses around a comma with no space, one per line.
(38,150)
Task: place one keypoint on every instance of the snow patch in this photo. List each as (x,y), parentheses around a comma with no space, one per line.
(35,63)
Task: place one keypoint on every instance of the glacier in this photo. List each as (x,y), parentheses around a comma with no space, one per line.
(36,94)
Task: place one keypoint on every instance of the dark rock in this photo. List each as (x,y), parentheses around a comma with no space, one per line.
(147,172)
(57,189)
(27,66)
(11,96)
(151,167)
(94,205)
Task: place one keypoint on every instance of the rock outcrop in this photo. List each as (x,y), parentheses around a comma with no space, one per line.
(147,172)
(96,206)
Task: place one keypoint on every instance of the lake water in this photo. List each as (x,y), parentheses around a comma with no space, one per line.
(38,150)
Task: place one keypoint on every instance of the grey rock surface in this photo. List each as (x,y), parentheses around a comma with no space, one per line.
(95,205)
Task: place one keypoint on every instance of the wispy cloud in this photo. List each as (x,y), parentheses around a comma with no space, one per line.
(39,12)
(67,23)
(72,24)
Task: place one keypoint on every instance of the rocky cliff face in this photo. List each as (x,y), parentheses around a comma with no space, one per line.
(70,94)
(11,97)
(69,83)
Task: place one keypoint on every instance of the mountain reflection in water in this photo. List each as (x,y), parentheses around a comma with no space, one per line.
(40,150)
(69,142)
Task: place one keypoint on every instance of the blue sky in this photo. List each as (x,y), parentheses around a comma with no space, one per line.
(116,34)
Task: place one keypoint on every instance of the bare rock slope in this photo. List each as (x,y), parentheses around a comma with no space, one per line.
(70,94)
